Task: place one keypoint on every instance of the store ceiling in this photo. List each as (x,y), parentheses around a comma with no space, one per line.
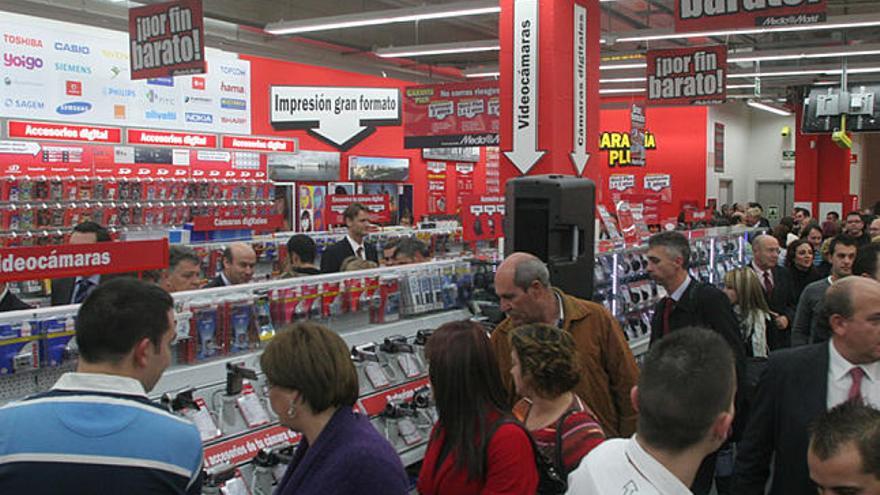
(237,25)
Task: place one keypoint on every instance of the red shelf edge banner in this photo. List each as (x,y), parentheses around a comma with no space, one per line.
(31,263)
(237,450)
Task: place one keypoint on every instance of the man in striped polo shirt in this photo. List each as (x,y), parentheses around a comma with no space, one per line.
(96,431)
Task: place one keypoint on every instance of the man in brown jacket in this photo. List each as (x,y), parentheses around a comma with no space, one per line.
(609,370)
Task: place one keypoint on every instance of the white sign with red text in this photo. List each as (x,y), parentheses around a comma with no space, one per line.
(167,138)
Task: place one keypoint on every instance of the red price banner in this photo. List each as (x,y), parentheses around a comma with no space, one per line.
(167,138)
(252,143)
(167,39)
(482,217)
(244,448)
(378,204)
(246,222)
(63,132)
(31,263)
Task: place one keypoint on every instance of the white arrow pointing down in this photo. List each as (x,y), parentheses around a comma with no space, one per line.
(339,131)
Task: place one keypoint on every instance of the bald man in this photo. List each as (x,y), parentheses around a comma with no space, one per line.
(608,369)
(239,260)
(778,290)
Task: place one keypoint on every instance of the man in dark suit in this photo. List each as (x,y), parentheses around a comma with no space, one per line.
(357,219)
(9,301)
(799,384)
(778,290)
(73,290)
(239,260)
(691,303)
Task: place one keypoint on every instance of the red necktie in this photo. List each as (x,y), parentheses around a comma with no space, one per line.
(768,284)
(668,304)
(855,390)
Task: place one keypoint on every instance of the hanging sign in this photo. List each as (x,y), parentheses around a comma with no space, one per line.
(637,134)
(493,170)
(707,15)
(70,260)
(254,143)
(378,207)
(20,129)
(167,39)
(451,115)
(341,116)
(524,153)
(579,155)
(436,188)
(687,76)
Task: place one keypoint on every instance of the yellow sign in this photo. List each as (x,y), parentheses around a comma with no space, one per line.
(619,147)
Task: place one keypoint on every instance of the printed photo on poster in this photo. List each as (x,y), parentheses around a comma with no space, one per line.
(283,204)
(341,188)
(310,214)
(378,168)
(304,165)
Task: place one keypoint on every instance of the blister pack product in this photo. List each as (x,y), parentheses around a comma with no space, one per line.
(204,421)
(240,317)
(263,315)
(57,333)
(207,328)
(251,408)
(19,348)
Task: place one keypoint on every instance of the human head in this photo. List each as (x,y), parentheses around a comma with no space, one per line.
(685,393)
(409,250)
(874,228)
(801,215)
(89,233)
(753,216)
(844,452)
(669,255)
(855,224)
(128,325)
(744,289)
(388,250)
(183,272)
(357,219)
(866,263)
(813,234)
(467,385)
(830,229)
(842,251)
(353,263)
(799,255)
(832,216)
(766,251)
(239,260)
(309,368)
(301,250)
(522,283)
(545,361)
(852,308)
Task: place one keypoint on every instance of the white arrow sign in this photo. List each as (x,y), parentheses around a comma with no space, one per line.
(19,148)
(525,151)
(339,115)
(579,155)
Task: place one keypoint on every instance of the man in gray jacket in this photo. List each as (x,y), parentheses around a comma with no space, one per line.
(809,326)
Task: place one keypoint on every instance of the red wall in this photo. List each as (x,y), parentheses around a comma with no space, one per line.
(821,169)
(386,141)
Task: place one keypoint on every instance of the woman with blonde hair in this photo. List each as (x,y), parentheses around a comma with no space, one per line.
(747,297)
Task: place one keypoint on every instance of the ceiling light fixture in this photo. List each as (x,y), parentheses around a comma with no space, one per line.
(798,56)
(768,108)
(381,17)
(612,91)
(746,75)
(438,49)
(622,80)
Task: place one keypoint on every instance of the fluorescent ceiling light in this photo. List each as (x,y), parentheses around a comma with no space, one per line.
(622,66)
(380,17)
(622,80)
(798,56)
(784,73)
(768,108)
(438,49)
(759,30)
(485,73)
(740,86)
(621,90)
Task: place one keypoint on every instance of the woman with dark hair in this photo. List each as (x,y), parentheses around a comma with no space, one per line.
(799,261)
(475,447)
(545,371)
(313,387)
(814,235)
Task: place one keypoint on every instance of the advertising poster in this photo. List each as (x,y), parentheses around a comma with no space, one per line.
(464,180)
(637,134)
(304,165)
(378,168)
(719,147)
(377,204)
(451,115)
(436,188)
(482,217)
(393,191)
(341,188)
(284,204)
(167,39)
(468,154)
(687,76)
(697,15)
(310,214)
(78,74)
(493,170)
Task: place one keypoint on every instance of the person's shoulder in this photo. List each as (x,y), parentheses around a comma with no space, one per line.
(817,287)
(510,436)
(797,356)
(708,293)
(610,451)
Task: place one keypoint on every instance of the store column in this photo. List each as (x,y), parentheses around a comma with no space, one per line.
(549,65)
(822,173)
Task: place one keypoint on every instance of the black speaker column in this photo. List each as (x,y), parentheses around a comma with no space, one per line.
(553,217)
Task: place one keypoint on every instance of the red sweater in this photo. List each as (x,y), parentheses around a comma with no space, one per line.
(511,467)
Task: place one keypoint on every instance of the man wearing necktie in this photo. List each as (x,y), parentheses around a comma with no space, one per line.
(357,220)
(73,290)
(800,384)
(778,289)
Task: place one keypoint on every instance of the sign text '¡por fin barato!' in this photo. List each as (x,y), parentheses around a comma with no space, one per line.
(166,38)
(686,76)
(12,263)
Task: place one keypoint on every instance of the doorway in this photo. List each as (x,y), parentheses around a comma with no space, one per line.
(777,198)
(725,192)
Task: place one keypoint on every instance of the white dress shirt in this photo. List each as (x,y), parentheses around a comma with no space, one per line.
(760,273)
(355,246)
(677,293)
(840,380)
(621,466)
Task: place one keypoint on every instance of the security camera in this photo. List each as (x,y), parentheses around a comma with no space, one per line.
(786,131)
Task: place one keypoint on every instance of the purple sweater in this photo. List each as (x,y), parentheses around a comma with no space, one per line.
(349,458)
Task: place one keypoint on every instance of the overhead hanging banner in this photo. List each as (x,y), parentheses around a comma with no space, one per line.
(687,76)
(451,115)
(167,39)
(706,15)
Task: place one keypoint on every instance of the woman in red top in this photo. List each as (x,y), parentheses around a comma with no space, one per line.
(545,371)
(470,400)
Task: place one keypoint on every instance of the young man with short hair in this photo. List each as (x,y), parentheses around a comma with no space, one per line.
(301,252)
(844,455)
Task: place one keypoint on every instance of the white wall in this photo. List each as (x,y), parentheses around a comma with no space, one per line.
(753,145)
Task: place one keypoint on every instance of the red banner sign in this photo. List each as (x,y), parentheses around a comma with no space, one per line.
(252,143)
(249,222)
(240,449)
(687,76)
(168,138)
(374,405)
(700,15)
(18,129)
(437,188)
(482,217)
(378,204)
(167,39)
(451,115)
(30,263)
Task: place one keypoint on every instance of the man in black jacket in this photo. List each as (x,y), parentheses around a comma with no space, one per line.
(73,290)
(239,260)
(778,290)
(9,301)
(801,383)
(691,303)
(357,219)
